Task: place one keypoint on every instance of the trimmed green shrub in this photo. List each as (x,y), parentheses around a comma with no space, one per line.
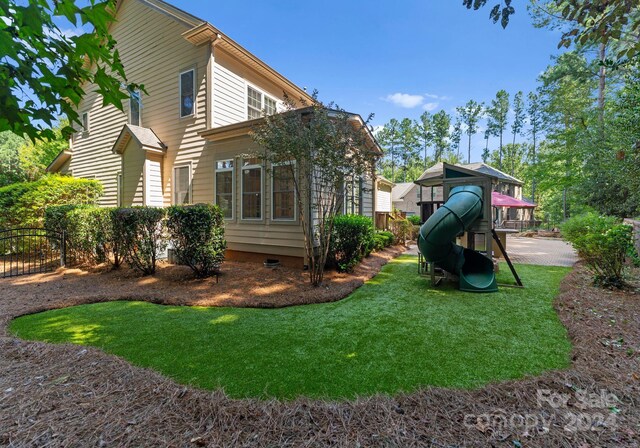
(604,243)
(378,242)
(352,239)
(403,230)
(197,234)
(23,204)
(87,229)
(414,219)
(140,235)
(387,237)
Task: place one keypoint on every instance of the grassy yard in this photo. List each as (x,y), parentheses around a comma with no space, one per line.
(395,333)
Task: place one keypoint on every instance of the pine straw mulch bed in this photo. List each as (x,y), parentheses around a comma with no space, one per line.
(64,395)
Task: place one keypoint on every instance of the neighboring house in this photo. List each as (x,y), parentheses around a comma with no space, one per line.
(405,197)
(384,207)
(186,140)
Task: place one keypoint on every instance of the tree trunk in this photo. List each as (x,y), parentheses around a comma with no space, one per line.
(469,150)
(602,80)
(500,152)
(533,160)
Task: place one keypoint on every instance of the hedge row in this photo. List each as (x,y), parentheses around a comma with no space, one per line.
(23,204)
(139,235)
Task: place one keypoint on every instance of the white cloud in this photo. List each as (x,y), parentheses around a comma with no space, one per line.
(437,97)
(377,129)
(405,100)
(429,106)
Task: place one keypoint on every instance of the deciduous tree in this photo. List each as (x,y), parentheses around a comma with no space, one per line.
(44,71)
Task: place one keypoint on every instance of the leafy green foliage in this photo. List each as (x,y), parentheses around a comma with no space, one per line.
(10,168)
(43,70)
(23,204)
(497,114)
(197,234)
(470,114)
(140,232)
(88,231)
(351,240)
(382,239)
(403,230)
(414,219)
(604,243)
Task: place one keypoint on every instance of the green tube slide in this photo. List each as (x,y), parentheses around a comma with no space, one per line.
(437,234)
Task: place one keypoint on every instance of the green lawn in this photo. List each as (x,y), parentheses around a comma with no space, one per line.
(395,333)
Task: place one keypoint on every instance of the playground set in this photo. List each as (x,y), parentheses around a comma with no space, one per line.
(467,211)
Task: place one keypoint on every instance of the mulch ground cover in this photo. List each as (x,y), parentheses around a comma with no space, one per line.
(66,395)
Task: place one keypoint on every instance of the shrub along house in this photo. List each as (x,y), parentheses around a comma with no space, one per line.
(187,139)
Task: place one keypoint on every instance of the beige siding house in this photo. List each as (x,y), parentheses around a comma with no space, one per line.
(186,139)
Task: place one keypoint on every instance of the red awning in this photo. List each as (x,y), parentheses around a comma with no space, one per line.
(503,200)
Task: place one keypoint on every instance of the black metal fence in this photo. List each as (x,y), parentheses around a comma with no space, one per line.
(30,250)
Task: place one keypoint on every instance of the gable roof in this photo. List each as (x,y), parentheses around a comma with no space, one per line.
(491,171)
(201,32)
(384,180)
(59,161)
(400,190)
(145,137)
(437,169)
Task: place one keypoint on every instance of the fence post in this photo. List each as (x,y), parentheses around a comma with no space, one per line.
(63,249)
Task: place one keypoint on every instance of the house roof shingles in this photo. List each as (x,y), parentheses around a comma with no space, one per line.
(400,191)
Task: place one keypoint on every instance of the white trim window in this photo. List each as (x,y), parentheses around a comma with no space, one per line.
(135,104)
(119,186)
(252,189)
(86,123)
(353,197)
(182,184)
(187,93)
(283,195)
(225,180)
(259,104)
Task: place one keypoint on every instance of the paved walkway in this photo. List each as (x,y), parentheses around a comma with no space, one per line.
(544,251)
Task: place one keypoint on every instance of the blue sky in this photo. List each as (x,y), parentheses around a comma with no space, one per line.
(432,54)
(393,59)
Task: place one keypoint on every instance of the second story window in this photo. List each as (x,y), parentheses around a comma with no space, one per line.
(85,122)
(187,93)
(134,108)
(258,104)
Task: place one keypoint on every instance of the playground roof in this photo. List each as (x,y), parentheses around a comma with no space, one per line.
(503,200)
(436,172)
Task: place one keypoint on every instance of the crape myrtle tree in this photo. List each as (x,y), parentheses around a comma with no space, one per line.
(44,71)
(322,147)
